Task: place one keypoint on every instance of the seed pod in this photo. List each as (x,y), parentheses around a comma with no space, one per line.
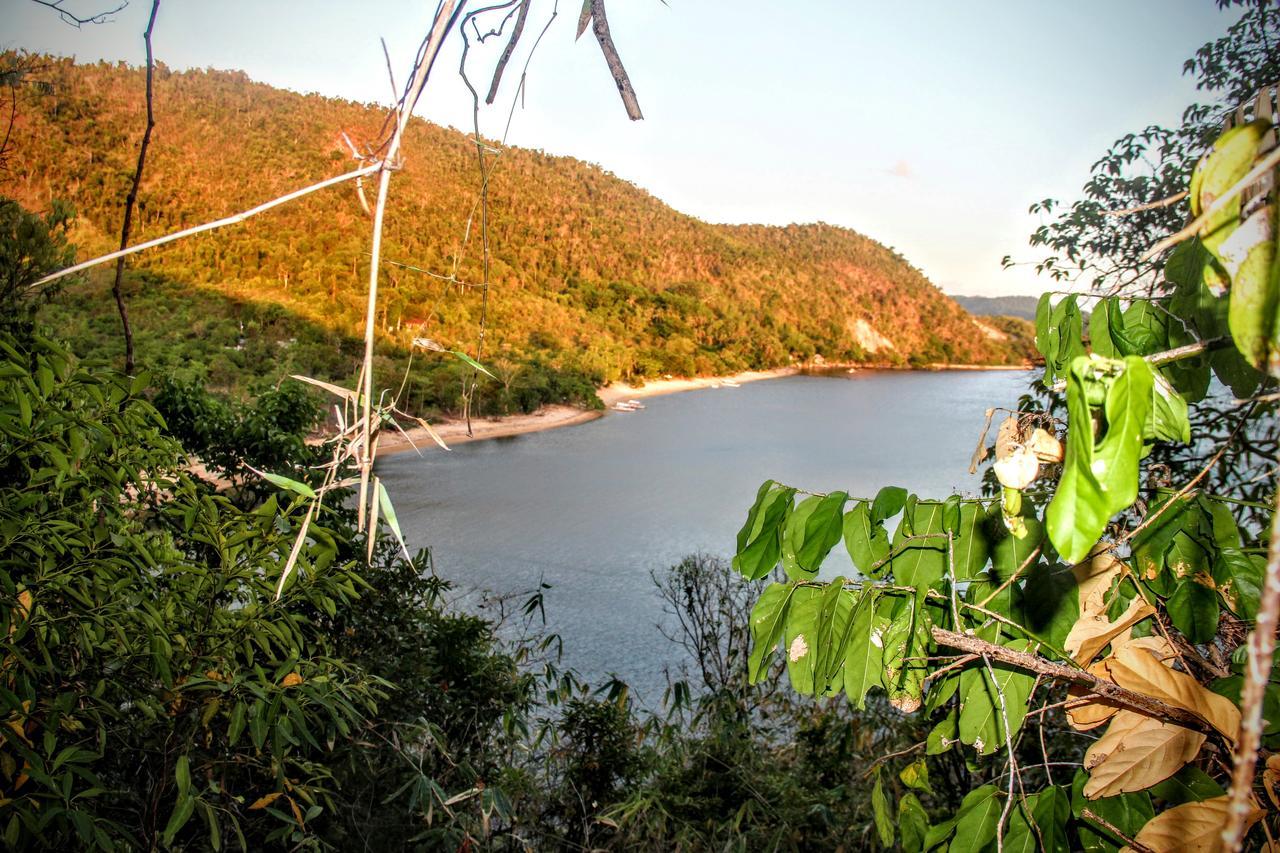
(1019,469)
(1045,446)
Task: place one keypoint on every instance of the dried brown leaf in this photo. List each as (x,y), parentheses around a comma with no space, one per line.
(1137,752)
(1190,827)
(263,802)
(1139,670)
(1092,632)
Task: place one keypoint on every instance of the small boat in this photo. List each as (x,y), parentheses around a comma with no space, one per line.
(627,406)
(729,383)
(635,404)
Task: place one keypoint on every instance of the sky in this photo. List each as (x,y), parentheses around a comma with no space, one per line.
(930,126)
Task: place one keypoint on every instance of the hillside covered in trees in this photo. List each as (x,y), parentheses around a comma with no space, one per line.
(591,277)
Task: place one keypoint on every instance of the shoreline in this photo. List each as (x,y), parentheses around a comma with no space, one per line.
(453,431)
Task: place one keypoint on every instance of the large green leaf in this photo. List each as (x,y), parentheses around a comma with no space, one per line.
(906,645)
(822,530)
(760,539)
(835,614)
(970,548)
(793,539)
(982,721)
(768,617)
(977,820)
(1193,609)
(888,502)
(1050,602)
(1099,478)
(1188,785)
(920,562)
(1039,822)
(1240,578)
(801,637)
(1126,812)
(864,650)
(880,811)
(913,823)
(866,542)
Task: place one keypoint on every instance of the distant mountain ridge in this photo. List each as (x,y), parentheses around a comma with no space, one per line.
(588,271)
(999,306)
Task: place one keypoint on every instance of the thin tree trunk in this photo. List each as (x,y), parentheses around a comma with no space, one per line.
(132,198)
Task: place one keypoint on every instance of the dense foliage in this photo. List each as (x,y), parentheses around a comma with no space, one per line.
(1114,580)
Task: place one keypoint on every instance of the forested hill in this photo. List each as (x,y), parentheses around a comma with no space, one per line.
(589,272)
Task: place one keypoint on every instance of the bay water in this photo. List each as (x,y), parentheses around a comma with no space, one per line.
(592,509)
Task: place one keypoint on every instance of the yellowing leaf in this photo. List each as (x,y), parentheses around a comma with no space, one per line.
(291,680)
(263,802)
(1138,670)
(1190,827)
(1092,633)
(1136,752)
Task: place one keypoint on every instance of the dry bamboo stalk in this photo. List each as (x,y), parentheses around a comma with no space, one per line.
(209,226)
(444,19)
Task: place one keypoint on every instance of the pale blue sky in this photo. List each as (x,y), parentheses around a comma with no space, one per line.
(930,125)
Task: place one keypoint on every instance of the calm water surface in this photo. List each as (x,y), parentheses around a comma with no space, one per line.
(591,509)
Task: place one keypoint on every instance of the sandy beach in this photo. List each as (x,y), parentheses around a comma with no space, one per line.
(453,431)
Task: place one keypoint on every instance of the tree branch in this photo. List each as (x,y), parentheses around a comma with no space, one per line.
(1158,358)
(75,20)
(516,32)
(1106,689)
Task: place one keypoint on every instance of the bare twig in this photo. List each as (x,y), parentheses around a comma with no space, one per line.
(1151,205)
(76,20)
(132,199)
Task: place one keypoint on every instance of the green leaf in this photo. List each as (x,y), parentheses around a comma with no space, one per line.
(834,618)
(801,637)
(1099,478)
(1050,602)
(760,539)
(916,776)
(1240,578)
(888,502)
(1126,812)
(182,775)
(822,530)
(866,542)
(906,645)
(1193,608)
(1145,330)
(236,726)
(977,820)
(793,539)
(913,823)
(880,809)
(864,650)
(944,735)
(920,562)
(179,817)
(389,514)
(471,361)
(289,485)
(970,548)
(982,722)
(1168,420)
(1188,785)
(768,617)
(1106,315)
(1039,822)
